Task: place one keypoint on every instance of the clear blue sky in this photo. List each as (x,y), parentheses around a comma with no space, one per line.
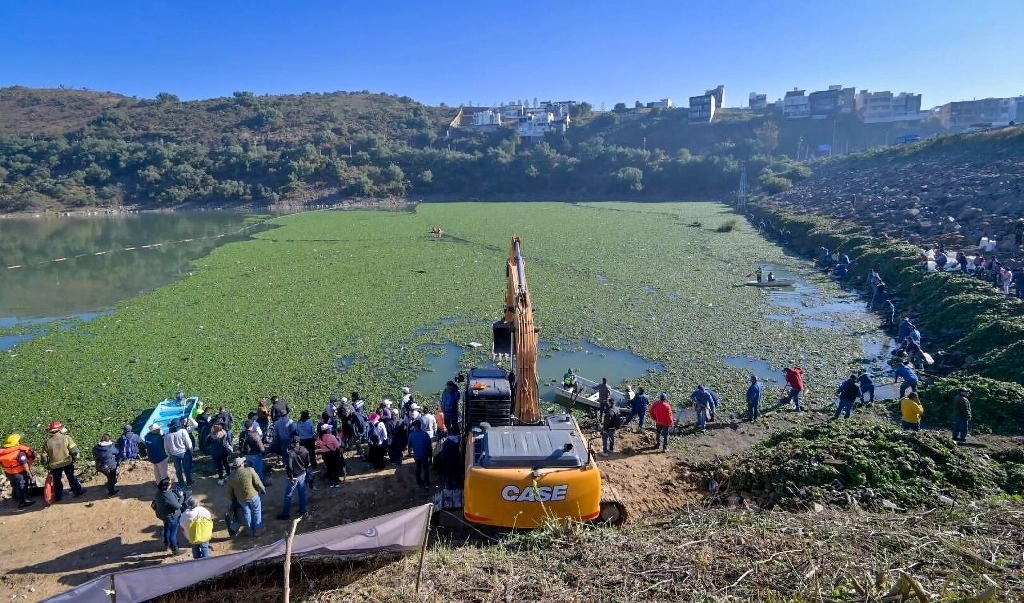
(455,52)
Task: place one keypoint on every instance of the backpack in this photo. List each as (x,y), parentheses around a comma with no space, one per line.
(200,530)
(129,447)
(375,437)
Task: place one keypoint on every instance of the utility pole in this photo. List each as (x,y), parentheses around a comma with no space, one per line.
(645,144)
(741,195)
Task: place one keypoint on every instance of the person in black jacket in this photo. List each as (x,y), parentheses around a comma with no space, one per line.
(107,459)
(296,465)
(251,446)
(168,505)
(848,393)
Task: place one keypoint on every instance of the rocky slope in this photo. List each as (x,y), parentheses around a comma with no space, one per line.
(951,189)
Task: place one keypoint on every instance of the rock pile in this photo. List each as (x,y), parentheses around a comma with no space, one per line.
(954,190)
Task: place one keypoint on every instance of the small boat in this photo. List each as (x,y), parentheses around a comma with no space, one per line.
(168,410)
(776,283)
(586,394)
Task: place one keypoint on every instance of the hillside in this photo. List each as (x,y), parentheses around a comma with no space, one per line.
(955,189)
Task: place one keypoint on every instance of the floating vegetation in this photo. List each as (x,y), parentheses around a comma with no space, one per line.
(360,291)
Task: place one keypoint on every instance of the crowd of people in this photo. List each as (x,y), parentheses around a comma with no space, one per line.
(305,451)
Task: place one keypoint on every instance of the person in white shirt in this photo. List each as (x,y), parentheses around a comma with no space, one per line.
(193,511)
(428,422)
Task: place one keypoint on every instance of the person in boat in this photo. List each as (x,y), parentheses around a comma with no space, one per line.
(569,380)
(758,273)
(771,276)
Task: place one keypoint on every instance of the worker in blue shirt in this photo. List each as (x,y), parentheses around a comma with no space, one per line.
(909,376)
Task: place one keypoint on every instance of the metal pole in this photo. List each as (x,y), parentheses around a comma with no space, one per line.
(288,560)
(423,548)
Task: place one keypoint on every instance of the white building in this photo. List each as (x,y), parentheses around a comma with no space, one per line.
(796,105)
(487,119)
(702,108)
(884,106)
(536,125)
(665,103)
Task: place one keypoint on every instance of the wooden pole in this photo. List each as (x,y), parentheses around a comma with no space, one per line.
(288,559)
(423,548)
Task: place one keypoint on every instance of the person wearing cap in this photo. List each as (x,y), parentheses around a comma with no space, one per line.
(604,392)
(168,504)
(638,409)
(961,415)
(61,454)
(156,453)
(406,399)
(178,444)
(661,412)
(377,436)
(16,459)
(330,447)
(296,466)
(250,445)
(754,399)
(331,408)
(909,376)
(245,488)
(107,458)
(702,402)
(128,444)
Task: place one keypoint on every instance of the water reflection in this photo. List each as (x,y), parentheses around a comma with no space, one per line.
(98,273)
(587,359)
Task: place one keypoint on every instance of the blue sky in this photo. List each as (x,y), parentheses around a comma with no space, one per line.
(455,52)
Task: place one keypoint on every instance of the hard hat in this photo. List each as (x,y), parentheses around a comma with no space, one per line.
(344,400)
(12,440)
(405,390)
(154,427)
(56,426)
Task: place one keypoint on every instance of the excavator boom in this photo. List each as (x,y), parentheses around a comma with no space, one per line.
(516,337)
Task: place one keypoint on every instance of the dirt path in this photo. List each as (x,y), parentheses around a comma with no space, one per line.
(73,541)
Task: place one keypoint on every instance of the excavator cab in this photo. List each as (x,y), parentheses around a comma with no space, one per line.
(502,341)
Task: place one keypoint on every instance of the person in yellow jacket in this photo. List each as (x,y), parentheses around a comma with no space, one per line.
(17,459)
(61,454)
(912,411)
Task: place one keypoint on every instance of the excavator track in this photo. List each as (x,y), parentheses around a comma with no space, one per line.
(613,507)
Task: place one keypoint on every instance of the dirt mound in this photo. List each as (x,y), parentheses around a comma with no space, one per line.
(874,465)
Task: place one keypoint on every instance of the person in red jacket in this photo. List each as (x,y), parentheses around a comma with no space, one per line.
(661,412)
(795,379)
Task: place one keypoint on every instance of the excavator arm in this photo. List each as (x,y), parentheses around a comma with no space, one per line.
(516,336)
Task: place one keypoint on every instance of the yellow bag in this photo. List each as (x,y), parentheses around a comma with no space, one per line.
(200,530)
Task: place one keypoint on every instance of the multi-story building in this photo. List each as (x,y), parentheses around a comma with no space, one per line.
(719,93)
(795,105)
(535,125)
(665,103)
(702,108)
(882,107)
(825,104)
(757,101)
(487,120)
(995,111)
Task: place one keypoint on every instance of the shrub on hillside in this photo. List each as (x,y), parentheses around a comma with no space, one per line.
(773,184)
(997,406)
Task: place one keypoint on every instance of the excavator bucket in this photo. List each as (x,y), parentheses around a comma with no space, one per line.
(502,343)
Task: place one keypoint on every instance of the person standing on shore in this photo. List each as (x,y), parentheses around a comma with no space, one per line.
(754,399)
(61,454)
(848,392)
(795,379)
(638,409)
(178,444)
(107,459)
(156,453)
(661,412)
(250,445)
(703,403)
(961,415)
(245,488)
(911,411)
(16,459)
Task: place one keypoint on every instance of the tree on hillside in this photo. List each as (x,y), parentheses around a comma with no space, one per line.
(167,98)
(638,105)
(630,179)
(767,137)
(619,107)
(583,109)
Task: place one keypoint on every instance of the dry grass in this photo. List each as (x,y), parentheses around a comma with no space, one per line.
(702,554)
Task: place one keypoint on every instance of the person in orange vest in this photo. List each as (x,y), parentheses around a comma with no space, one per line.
(17,460)
(661,412)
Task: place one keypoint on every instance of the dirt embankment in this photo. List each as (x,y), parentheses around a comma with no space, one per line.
(966,185)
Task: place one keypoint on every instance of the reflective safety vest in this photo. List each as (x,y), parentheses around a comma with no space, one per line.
(569,379)
(9,458)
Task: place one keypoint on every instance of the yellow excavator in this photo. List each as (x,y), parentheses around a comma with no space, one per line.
(523,468)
